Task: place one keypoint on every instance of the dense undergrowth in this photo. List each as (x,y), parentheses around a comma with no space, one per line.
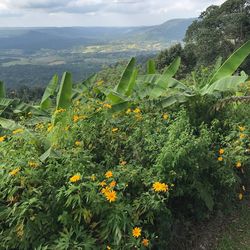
(120,169)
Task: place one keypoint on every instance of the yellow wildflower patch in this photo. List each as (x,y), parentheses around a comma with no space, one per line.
(114,130)
(136,232)
(78,143)
(75,178)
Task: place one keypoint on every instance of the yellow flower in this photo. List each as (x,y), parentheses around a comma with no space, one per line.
(220,158)
(93,177)
(76,118)
(160,187)
(221,151)
(75,178)
(107,106)
(145,242)
(123,163)
(50,127)
(105,190)
(2,138)
(17,131)
(14,171)
(78,143)
(33,164)
(103,183)
(109,174)
(242,136)
(67,128)
(238,164)
(136,232)
(58,111)
(242,128)
(138,117)
(165,116)
(39,126)
(112,184)
(111,196)
(137,111)
(115,130)
(128,111)
(240,196)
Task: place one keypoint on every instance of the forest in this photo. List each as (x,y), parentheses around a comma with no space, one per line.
(137,155)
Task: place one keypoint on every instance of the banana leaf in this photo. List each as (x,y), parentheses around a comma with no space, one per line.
(65,92)
(151,69)
(125,80)
(48,93)
(232,63)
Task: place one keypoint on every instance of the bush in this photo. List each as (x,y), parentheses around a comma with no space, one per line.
(116,181)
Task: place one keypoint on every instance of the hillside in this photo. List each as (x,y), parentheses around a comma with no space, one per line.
(68,37)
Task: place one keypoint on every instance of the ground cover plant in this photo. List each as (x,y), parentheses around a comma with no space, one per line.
(95,167)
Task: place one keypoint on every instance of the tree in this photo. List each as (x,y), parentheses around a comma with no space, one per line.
(219,30)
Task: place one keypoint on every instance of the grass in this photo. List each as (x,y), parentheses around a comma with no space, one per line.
(237,232)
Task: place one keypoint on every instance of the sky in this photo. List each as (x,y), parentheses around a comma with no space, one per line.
(43,13)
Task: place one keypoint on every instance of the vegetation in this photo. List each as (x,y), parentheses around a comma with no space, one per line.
(99,167)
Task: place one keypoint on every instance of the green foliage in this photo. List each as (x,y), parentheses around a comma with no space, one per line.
(102,164)
(65,92)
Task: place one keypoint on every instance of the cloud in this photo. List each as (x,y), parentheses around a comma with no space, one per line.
(101,12)
(115,6)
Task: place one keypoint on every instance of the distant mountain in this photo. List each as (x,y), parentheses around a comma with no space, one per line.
(62,38)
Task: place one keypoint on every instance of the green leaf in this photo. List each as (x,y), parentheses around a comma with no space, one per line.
(8,124)
(151,69)
(65,92)
(163,82)
(229,83)
(132,82)
(232,63)
(48,93)
(115,97)
(50,153)
(128,73)
(2,90)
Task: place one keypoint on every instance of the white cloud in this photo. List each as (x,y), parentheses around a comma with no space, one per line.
(99,12)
